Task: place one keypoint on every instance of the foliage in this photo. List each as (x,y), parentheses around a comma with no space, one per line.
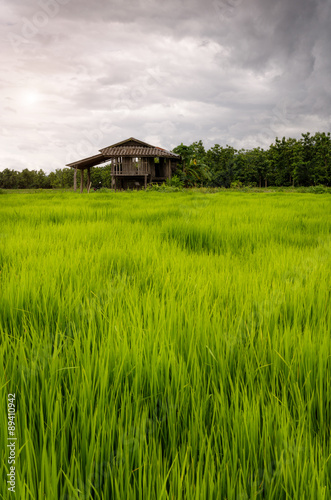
(175,181)
(193,170)
(236,185)
(165,187)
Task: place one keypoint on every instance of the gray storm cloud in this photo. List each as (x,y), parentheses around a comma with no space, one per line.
(80,75)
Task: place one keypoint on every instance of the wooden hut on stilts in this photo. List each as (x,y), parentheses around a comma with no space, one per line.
(134,164)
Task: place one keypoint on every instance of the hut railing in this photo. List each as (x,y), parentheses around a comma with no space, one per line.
(130,170)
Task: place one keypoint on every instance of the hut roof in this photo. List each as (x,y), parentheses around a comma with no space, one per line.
(135,148)
(137,152)
(91,161)
(130,147)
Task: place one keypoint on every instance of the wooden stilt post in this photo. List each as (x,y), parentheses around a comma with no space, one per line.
(81,180)
(169,169)
(75,179)
(145,182)
(88,179)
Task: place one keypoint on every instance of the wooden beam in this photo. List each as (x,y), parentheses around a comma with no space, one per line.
(145,181)
(88,179)
(75,179)
(81,180)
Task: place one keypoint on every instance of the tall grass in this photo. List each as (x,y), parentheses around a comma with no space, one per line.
(167,346)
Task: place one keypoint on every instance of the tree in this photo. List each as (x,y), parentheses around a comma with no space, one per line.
(222,165)
(27,179)
(42,180)
(193,170)
(9,179)
(298,164)
(281,161)
(322,159)
(307,172)
(256,168)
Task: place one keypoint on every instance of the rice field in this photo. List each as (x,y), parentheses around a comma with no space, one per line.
(166,345)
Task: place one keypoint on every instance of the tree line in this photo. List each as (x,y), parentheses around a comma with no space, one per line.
(287,162)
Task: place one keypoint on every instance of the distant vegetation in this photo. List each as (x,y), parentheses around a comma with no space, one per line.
(287,162)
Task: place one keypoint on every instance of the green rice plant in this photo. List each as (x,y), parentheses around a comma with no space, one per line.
(166,345)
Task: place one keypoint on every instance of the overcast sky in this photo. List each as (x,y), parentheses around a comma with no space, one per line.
(79,75)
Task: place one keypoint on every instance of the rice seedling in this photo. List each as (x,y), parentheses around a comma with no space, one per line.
(166,345)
